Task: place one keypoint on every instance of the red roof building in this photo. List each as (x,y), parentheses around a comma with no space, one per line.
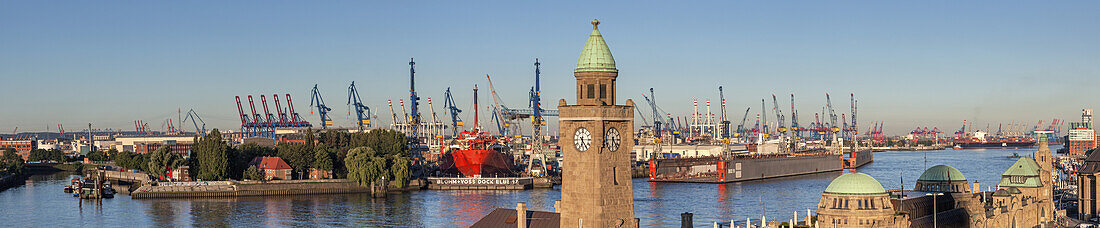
(274,168)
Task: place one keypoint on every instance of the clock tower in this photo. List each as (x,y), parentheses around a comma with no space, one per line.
(596,137)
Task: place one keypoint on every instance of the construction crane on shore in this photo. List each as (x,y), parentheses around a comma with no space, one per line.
(195,120)
(322,110)
(362,112)
(450,107)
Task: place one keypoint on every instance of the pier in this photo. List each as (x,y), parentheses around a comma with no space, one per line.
(255,188)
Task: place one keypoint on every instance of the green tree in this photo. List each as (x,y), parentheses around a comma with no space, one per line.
(11,155)
(399,170)
(38,155)
(163,160)
(98,156)
(131,160)
(252,173)
(322,157)
(243,154)
(212,159)
(362,166)
(299,157)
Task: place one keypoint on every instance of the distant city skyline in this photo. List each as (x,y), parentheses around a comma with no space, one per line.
(920,64)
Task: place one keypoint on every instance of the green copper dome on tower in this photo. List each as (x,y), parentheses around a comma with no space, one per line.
(596,56)
(855,183)
(942,173)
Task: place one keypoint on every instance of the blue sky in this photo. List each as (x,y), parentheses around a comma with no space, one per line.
(928,63)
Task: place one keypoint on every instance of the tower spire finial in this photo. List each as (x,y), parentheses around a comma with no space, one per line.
(595,24)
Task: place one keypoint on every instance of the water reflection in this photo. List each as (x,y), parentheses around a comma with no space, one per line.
(41,201)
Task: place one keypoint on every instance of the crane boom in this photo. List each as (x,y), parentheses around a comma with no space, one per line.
(362,112)
(322,110)
(452,108)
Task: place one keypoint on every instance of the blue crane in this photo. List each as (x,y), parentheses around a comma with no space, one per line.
(794,120)
(322,110)
(450,106)
(536,109)
(353,99)
(414,101)
(192,115)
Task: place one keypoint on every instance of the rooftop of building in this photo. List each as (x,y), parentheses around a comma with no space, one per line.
(942,173)
(596,56)
(1023,173)
(1092,162)
(503,217)
(269,163)
(855,183)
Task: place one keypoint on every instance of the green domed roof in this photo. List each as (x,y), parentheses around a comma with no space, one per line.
(855,183)
(942,173)
(596,56)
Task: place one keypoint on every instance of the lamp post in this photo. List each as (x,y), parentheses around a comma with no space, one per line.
(934,210)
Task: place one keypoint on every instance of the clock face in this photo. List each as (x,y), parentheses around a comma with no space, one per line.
(612,139)
(582,139)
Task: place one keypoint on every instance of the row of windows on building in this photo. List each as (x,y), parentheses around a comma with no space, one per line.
(861,221)
(591,89)
(861,204)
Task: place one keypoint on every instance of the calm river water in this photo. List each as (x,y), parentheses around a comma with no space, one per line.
(41,202)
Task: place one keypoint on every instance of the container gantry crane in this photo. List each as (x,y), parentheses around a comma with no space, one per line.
(322,110)
(362,112)
(452,108)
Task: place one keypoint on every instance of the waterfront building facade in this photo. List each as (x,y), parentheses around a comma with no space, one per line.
(22,147)
(1087,185)
(942,197)
(1082,136)
(856,200)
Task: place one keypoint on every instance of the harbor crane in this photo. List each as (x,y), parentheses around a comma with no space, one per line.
(195,120)
(833,129)
(741,127)
(451,108)
(322,110)
(535,105)
(782,127)
(504,125)
(794,121)
(362,112)
(414,101)
(724,121)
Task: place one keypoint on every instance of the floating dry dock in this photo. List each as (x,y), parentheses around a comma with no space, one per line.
(486,183)
(742,168)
